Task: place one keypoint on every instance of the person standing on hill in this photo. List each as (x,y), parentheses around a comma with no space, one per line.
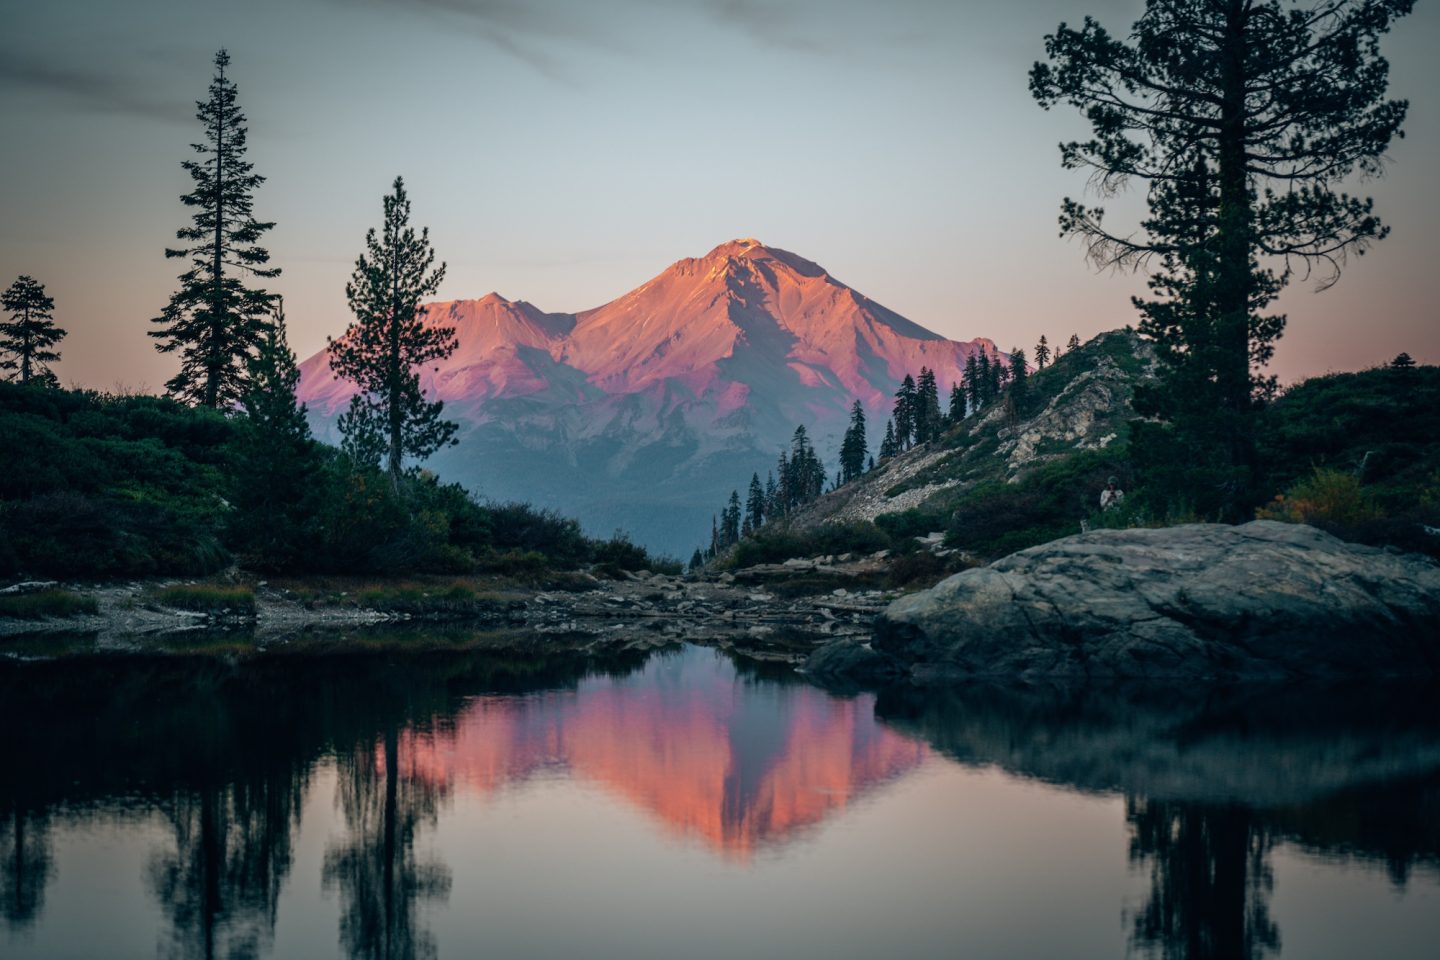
(1112,495)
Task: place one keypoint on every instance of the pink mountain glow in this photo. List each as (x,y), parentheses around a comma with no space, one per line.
(644,413)
(688,755)
(712,326)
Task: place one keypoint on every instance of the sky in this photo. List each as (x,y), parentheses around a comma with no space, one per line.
(566,151)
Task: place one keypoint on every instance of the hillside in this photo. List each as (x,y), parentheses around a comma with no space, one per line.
(1357,454)
(1004,478)
(638,413)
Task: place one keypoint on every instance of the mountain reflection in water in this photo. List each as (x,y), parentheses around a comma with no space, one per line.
(214,765)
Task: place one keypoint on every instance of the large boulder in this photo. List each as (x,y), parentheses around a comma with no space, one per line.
(1263,600)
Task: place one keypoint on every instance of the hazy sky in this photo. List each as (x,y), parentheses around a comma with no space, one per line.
(565,152)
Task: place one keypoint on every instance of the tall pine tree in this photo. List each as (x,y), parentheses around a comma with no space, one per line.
(889,446)
(27,338)
(730,520)
(1042,353)
(985,381)
(215,321)
(389,339)
(853,448)
(974,390)
(957,402)
(755,503)
(276,476)
(927,407)
(1243,118)
(1019,383)
(904,414)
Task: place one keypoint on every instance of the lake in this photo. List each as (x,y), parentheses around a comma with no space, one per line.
(683,804)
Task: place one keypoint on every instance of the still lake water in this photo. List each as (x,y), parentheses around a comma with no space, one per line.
(681,804)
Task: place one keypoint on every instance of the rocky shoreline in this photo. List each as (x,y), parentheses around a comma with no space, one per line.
(753,611)
(1262,601)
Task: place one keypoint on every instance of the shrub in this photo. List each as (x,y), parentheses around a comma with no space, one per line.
(456,599)
(1326,497)
(206,597)
(619,554)
(996,518)
(778,544)
(46,603)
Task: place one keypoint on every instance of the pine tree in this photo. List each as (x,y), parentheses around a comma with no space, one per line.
(214,320)
(30,333)
(853,447)
(904,414)
(927,407)
(389,339)
(697,560)
(985,382)
(755,504)
(871,465)
(1243,118)
(1073,343)
(277,472)
(1403,361)
(974,392)
(730,523)
(1042,353)
(996,375)
(957,402)
(772,495)
(784,495)
(889,446)
(802,475)
(1019,383)
(272,376)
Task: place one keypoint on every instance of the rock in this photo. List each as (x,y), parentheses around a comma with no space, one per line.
(30,586)
(1262,600)
(849,658)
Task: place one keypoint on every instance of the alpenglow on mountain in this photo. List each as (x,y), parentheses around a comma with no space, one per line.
(643,414)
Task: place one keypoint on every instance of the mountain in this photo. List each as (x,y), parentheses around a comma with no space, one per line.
(643,414)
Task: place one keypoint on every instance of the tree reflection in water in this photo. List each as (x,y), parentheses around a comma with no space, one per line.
(1213,779)
(1210,881)
(375,868)
(220,884)
(25,864)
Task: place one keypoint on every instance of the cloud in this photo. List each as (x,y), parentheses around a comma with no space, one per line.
(91,90)
(785,26)
(520,28)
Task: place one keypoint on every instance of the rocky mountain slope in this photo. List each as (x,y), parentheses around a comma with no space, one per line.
(1078,405)
(642,413)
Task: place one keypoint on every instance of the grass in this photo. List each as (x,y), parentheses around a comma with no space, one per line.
(457,600)
(207,598)
(46,603)
(432,597)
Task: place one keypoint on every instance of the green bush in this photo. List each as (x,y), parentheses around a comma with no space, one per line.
(206,597)
(995,519)
(778,544)
(97,486)
(46,603)
(454,600)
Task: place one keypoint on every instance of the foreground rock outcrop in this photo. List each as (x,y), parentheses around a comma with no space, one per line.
(1263,600)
